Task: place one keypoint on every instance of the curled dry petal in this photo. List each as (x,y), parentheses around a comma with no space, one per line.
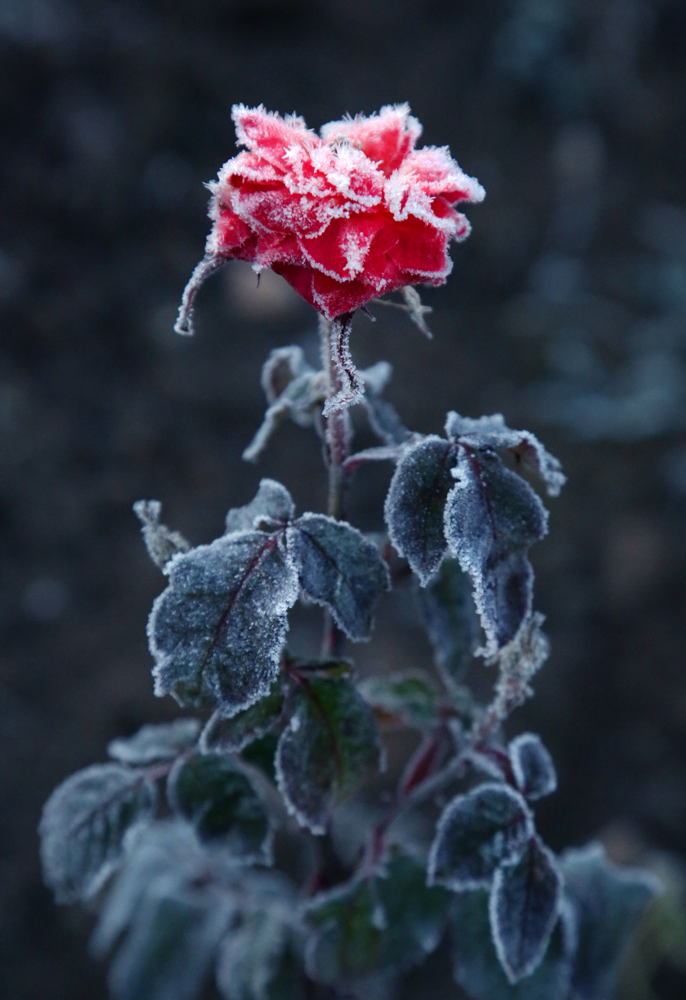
(345,216)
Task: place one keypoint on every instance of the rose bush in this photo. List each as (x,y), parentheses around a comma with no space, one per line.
(344,217)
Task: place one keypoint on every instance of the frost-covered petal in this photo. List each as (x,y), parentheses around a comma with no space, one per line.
(386,138)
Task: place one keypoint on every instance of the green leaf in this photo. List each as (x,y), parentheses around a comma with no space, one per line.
(476,833)
(258,960)
(374,927)
(609,902)
(233,734)
(450,618)
(83,826)
(164,741)
(211,792)
(330,746)
(409,698)
(416,502)
(340,568)
(476,967)
(217,631)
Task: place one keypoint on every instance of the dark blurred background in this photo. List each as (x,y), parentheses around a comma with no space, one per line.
(566,311)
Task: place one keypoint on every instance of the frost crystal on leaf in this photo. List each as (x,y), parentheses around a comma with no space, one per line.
(217,631)
(217,798)
(349,383)
(272,506)
(524,908)
(340,568)
(160,541)
(476,967)
(517,664)
(416,502)
(532,766)
(164,741)
(477,832)
(492,432)
(83,826)
(492,517)
(331,745)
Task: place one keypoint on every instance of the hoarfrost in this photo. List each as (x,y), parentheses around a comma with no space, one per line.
(257,961)
(235,733)
(492,517)
(83,826)
(340,568)
(350,386)
(416,501)
(217,631)
(532,766)
(164,741)
(160,541)
(477,832)
(272,506)
(524,908)
(492,432)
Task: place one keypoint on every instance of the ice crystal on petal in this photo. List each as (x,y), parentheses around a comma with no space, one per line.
(344,217)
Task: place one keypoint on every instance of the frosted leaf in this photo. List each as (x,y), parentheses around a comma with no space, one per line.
(164,741)
(340,568)
(450,619)
(492,432)
(299,400)
(258,962)
(492,517)
(409,698)
(218,799)
(171,945)
(167,851)
(610,902)
(476,967)
(532,766)
(160,541)
(217,631)
(331,745)
(416,501)
(233,734)
(373,927)
(272,505)
(518,661)
(384,453)
(283,365)
(83,826)
(524,907)
(476,833)
(350,387)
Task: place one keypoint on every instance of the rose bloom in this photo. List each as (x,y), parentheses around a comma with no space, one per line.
(344,217)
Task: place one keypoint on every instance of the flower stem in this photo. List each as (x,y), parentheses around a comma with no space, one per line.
(337,449)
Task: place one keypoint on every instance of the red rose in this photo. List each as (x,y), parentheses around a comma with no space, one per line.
(345,217)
